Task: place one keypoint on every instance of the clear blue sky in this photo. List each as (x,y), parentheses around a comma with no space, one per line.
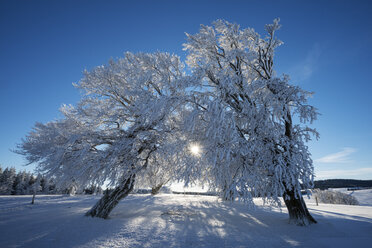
(45,46)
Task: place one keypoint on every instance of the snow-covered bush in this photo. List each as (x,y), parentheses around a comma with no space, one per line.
(335,197)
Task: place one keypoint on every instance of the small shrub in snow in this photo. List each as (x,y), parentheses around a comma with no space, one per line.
(334,197)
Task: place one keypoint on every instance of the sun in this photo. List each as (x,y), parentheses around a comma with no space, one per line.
(195,149)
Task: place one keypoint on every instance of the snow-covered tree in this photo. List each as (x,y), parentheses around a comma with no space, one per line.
(93,190)
(44,183)
(7,180)
(1,180)
(29,180)
(121,122)
(20,184)
(36,187)
(146,107)
(71,188)
(23,183)
(254,146)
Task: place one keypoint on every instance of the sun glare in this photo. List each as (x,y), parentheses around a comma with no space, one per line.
(195,149)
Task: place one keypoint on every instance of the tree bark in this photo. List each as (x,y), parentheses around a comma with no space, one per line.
(227,195)
(106,204)
(33,198)
(155,190)
(297,210)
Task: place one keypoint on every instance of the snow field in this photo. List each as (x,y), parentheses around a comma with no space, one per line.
(168,220)
(363,196)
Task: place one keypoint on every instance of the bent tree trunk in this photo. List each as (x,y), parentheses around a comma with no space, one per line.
(155,190)
(106,204)
(297,210)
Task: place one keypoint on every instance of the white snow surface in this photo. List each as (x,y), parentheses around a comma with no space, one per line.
(168,220)
(363,196)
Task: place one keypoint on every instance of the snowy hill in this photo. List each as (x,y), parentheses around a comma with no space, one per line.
(364,197)
(170,220)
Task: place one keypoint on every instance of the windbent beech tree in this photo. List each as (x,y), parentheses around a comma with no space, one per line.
(144,110)
(116,128)
(245,112)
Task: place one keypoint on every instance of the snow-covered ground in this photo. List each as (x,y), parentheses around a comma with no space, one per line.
(170,220)
(363,196)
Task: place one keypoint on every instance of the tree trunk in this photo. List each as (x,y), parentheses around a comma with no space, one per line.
(106,204)
(155,190)
(298,212)
(227,194)
(33,198)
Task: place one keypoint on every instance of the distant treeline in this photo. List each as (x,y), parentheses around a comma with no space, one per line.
(341,183)
(195,193)
(26,183)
